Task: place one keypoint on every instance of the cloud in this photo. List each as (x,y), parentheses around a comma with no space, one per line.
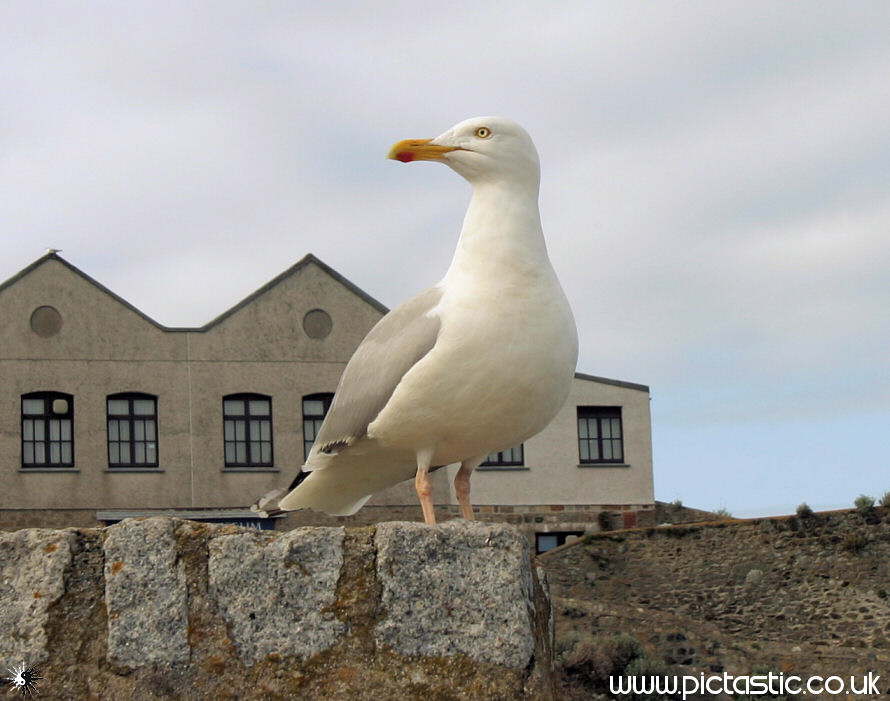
(714,191)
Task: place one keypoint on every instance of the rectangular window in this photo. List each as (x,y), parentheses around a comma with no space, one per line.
(247,430)
(600,435)
(47,430)
(315,408)
(548,541)
(132,421)
(505,458)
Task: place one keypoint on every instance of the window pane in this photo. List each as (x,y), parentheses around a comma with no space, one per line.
(32,406)
(233,407)
(265,430)
(54,453)
(254,430)
(617,451)
(66,452)
(255,451)
(28,430)
(492,457)
(313,407)
(594,450)
(616,428)
(546,542)
(239,430)
(39,428)
(143,407)
(118,407)
(259,407)
(582,428)
(149,429)
(139,453)
(113,434)
(66,429)
(60,406)
(607,450)
(139,430)
(230,452)
(585,452)
(241,452)
(309,430)
(229,430)
(54,429)
(124,430)
(40,453)
(266,452)
(592,428)
(607,428)
(151,452)
(114,453)
(28,453)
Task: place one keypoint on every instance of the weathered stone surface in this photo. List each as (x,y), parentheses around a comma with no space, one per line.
(32,578)
(275,593)
(456,588)
(145,594)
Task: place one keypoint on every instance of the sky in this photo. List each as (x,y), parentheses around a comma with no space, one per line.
(715,190)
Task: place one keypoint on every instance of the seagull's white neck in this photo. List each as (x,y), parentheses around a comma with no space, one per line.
(501,234)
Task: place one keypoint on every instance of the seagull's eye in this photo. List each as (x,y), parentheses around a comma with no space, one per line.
(483,132)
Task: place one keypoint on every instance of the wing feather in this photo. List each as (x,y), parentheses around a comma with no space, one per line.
(398,341)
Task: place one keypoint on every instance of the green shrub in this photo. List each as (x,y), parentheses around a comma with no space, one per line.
(864,504)
(722,513)
(854,543)
(591,660)
(804,511)
(885,499)
(647,667)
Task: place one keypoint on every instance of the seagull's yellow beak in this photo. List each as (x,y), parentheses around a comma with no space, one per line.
(418,150)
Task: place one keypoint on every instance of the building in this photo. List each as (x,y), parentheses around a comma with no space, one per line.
(105,413)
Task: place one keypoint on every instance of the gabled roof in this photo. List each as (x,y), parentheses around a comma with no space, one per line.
(302,263)
(607,381)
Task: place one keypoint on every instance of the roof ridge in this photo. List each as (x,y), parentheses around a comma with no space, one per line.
(303,262)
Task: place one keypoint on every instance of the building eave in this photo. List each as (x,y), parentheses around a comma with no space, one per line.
(609,381)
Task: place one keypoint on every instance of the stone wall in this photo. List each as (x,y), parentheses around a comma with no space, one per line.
(529,519)
(167,608)
(807,595)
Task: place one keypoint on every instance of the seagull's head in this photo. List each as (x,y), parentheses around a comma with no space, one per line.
(481,149)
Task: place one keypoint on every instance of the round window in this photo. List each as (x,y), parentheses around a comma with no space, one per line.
(46,321)
(317,323)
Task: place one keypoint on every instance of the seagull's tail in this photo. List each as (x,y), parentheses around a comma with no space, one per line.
(317,491)
(341,486)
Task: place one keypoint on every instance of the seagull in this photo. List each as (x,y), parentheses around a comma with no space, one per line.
(477,363)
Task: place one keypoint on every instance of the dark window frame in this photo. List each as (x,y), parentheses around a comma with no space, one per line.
(131,418)
(246,418)
(47,416)
(598,414)
(327,399)
(501,462)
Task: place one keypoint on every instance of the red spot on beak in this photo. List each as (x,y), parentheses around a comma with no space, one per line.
(405,156)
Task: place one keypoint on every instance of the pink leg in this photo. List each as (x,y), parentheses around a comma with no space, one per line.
(462,486)
(422,485)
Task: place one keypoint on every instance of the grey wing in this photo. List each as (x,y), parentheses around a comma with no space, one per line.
(391,348)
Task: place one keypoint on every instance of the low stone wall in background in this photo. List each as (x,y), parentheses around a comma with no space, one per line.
(167,608)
